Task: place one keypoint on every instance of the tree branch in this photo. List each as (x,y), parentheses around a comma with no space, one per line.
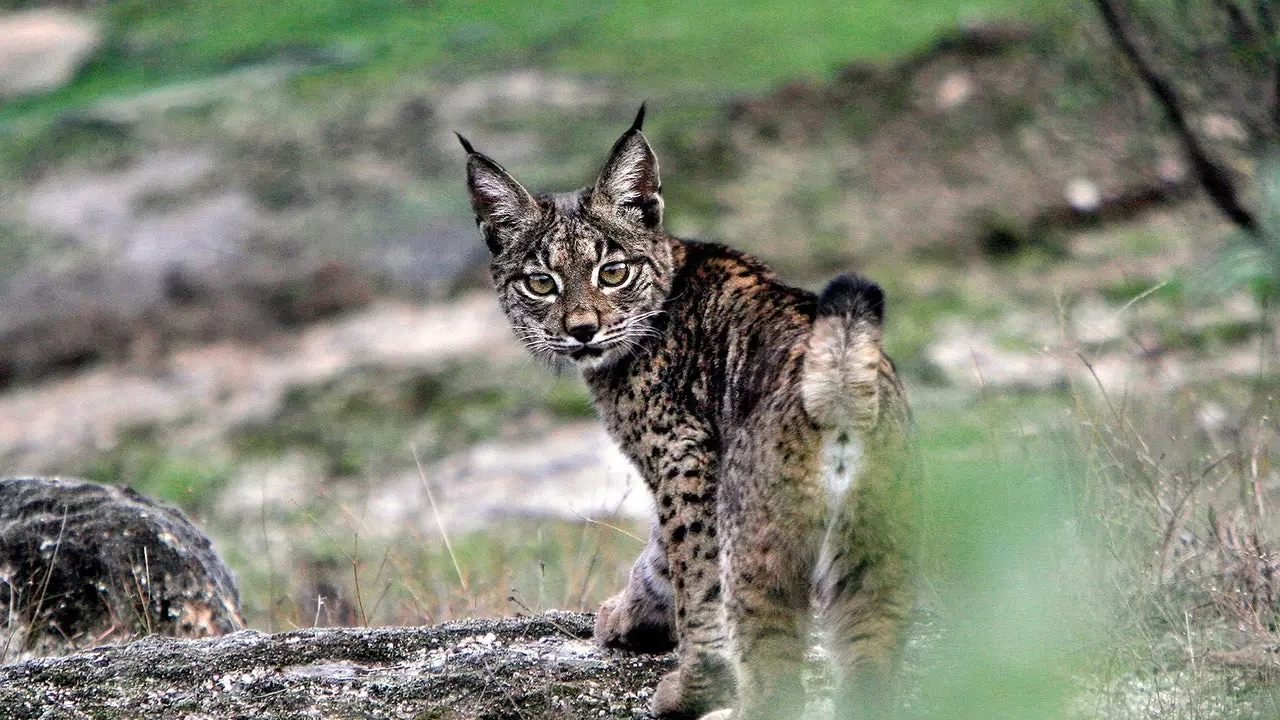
(1267,22)
(1215,180)
(1240,23)
(1265,18)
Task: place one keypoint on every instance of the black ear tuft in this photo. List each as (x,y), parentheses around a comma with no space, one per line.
(467,146)
(639,121)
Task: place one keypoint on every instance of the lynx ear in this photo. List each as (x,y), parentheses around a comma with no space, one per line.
(501,204)
(628,184)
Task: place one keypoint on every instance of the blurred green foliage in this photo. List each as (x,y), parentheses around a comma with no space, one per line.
(1003,565)
(1253,262)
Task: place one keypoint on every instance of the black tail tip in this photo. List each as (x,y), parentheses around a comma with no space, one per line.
(852,295)
(466,145)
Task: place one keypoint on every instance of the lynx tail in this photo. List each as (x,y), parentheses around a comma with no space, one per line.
(844,357)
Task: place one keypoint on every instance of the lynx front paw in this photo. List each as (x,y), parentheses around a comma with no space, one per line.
(722,714)
(676,699)
(621,626)
(670,700)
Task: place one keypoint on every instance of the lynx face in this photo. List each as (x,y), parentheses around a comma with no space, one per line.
(583,275)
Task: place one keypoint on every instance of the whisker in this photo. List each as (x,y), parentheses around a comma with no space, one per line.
(635,348)
(645,315)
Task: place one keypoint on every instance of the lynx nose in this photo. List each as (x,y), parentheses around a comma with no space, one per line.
(583,332)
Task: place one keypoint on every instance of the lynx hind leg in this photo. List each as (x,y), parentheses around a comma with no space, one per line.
(768,574)
(695,689)
(863,588)
(641,618)
(864,632)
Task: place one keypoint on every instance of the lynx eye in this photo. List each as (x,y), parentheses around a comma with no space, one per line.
(614,274)
(540,284)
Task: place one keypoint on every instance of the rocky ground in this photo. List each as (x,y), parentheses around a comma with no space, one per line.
(543,666)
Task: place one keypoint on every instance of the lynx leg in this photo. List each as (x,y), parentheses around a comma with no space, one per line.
(768,575)
(687,520)
(864,595)
(641,618)
(865,614)
(704,680)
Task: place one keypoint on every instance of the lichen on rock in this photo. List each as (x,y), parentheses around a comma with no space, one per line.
(543,666)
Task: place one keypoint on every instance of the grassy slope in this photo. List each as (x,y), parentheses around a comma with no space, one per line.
(667,48)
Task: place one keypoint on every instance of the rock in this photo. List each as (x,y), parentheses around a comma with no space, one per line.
(535,667)
(1094,323)
(1083,195)
(41,50)
(969,357)
(571,472)
(954,90)
(84,564)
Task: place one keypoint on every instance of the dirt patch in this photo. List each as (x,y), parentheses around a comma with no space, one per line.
(200,392)
(995,139)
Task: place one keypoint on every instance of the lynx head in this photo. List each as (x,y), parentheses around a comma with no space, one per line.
(581,275)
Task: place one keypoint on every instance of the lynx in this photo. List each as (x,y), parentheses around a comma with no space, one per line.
(767,422)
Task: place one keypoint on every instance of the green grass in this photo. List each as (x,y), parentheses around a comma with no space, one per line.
(656,49)
(143,462)
(412,578)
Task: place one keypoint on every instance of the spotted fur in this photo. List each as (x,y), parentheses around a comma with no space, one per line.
(767,422)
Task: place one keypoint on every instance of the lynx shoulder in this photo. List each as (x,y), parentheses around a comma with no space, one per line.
(767,421)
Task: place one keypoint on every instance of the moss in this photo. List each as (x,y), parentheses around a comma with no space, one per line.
(75,141)
(1211,337)
(1233,332)
(18,245)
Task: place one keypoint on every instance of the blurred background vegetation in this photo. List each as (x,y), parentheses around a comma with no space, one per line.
(238,272)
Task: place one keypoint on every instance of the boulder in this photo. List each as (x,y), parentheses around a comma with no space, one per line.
(83,564)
